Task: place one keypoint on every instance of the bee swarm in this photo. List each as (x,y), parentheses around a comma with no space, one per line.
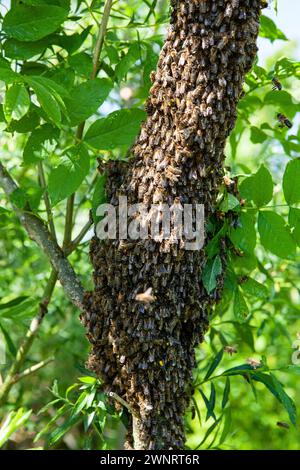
(144,351)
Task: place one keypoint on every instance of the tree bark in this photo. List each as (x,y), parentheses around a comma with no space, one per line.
(144,352)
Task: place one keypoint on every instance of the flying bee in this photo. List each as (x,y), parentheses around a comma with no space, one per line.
(284,121)
(254,363)
(282,424)
(276,84)
(230,350)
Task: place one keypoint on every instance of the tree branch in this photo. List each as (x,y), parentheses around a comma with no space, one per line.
(38,232)
(31,370)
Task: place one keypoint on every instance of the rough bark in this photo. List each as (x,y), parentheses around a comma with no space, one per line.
(145,352)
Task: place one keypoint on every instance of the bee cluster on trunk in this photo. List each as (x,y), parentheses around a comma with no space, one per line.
(143,347)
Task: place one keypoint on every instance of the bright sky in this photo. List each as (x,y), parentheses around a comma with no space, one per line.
(288,20)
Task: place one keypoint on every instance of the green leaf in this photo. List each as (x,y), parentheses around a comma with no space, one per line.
(10,345)
(40,144)
(212,270)
(257,135)
(62,76)
(88,380)
(13,421)
(13,302)
(99,195)
(60,3)
(283,101)
(274,235)
(253,288)
(24,196)
(214,364)
(31,23)
(291,178)
(208,432)
(7,75)
(72,42)
(118,128)
(244,236)
(61,430)
(67,177)
(275,387)
(240,307)
(80,403)
(46,99)
(226,393)
(24,50)
(149,65)
(54,86)
(227,426)
(294,369)
(239,370)
(269,30)
(82,63)
(112,54)
(86,98)
(294,221)
(60,412)
(285,399)
(209,403)
(229,203)
(258,187)
(127,61)
(244,331)
(26,124)
(16,103)
(22,310)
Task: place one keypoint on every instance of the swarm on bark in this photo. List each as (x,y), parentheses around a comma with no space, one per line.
(145,351)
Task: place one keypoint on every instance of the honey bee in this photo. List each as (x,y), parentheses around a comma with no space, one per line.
(254,363)
(243,279)
(284,121)
(230,350)
(276,84)
(146,297)
(229,183)
(282,424)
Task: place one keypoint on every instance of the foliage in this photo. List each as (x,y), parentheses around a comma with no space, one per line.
(47,92)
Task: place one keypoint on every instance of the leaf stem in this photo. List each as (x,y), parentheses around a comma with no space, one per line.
(100,37)
(46,200)
(73,245)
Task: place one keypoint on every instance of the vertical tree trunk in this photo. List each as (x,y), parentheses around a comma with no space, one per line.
(145,351)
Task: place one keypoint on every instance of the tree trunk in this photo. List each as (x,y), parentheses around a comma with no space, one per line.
(144,352)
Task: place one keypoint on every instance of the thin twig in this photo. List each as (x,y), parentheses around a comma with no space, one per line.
(73,245)
(68,222)
(31,370)
(119,399)
(100,37)
(46,200)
